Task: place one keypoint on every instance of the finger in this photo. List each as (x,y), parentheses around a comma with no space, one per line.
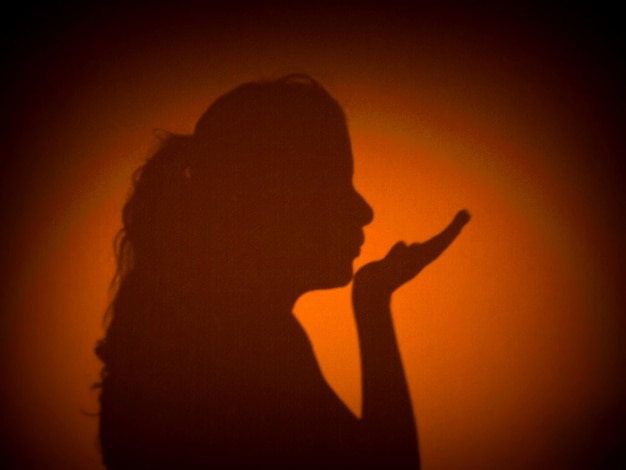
(461,218)
(431,249)
(397,251)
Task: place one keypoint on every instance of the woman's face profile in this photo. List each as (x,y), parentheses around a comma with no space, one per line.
(320,224)
(289,214)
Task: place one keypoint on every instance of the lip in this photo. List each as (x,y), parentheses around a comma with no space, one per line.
(360,239)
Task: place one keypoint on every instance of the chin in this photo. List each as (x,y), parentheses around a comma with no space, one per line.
(347,279)
(337,277)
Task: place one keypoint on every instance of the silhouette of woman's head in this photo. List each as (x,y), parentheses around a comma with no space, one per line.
(253,209)
(260,194)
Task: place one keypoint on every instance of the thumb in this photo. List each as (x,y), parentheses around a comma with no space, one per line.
(396,252)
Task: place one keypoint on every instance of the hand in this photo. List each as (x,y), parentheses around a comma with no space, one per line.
(380,279)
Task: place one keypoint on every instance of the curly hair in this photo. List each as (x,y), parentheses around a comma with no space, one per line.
(177,252)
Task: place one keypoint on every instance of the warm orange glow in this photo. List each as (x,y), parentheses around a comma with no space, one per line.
(509,338)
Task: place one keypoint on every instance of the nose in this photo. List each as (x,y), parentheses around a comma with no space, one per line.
(365,213)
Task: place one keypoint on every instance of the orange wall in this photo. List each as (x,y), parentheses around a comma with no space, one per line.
(510,340)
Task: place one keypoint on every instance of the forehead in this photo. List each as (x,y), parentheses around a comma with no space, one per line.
(326,153)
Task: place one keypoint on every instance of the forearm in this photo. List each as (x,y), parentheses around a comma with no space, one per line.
(389,427)
(387,417)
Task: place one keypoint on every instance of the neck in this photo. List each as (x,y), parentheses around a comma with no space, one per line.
(251,313)
(252,327)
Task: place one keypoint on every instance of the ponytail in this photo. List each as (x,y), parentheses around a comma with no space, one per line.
(149,245)
(153,215)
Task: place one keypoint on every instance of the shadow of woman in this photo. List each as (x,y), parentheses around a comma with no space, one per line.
(204,362)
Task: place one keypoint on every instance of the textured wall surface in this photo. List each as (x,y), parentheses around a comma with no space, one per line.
(512,341)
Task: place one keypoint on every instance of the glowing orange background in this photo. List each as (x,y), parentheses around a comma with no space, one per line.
(512,340)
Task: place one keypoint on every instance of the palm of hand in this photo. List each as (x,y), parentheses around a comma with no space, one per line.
(379,279)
